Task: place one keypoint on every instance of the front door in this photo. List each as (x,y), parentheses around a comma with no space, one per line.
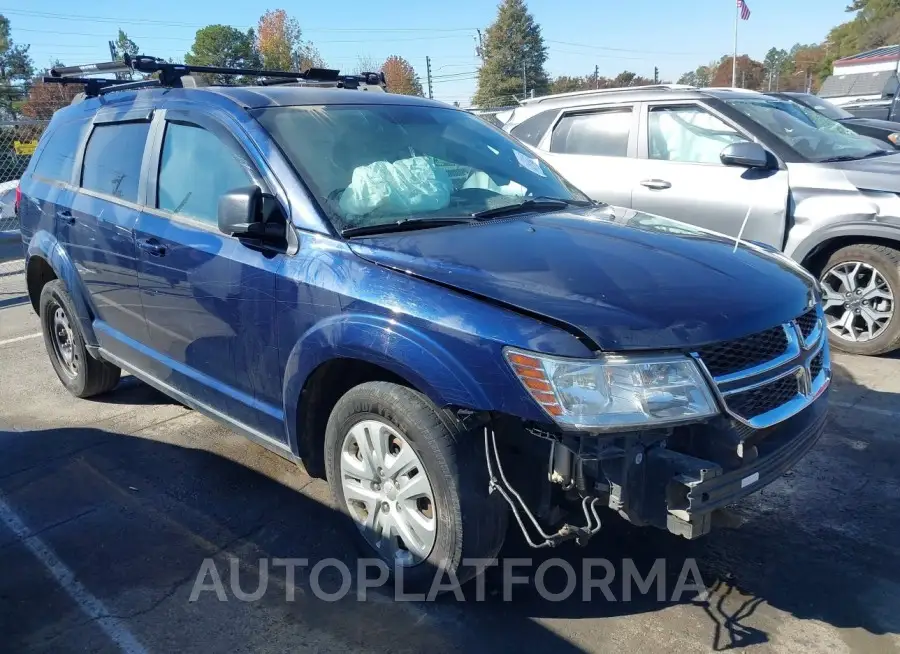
(683,178)
(208,298)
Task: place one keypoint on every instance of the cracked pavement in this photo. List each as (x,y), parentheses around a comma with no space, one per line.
(132,492)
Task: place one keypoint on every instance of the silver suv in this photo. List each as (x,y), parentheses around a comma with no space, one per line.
(743,164)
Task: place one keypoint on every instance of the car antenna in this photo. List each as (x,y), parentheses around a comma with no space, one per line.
(737,240)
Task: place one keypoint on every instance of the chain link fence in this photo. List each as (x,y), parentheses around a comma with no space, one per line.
(18,139)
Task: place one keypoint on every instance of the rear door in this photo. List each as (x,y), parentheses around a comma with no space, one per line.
(97,228)
(208,297)
(595,149)
(683,178)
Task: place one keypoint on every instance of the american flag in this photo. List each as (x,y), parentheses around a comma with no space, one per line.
(745,10)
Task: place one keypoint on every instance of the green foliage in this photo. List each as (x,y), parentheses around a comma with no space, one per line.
(15,69)
(514,56)
(221,45)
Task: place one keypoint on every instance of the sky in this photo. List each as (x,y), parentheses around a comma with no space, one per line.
(635,34)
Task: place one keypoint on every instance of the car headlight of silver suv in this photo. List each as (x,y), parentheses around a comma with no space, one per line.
(614,392)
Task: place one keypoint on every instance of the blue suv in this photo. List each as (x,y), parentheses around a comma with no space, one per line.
(405,299)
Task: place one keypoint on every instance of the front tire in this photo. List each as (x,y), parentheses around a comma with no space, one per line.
(861,286)
(413,482)
(81,374)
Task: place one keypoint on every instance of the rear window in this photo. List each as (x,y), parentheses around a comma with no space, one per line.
(58,156)
(530,131)
(112,159)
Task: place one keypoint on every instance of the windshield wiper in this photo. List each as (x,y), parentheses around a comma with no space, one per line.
(407,224)
(532,204)
(846,157)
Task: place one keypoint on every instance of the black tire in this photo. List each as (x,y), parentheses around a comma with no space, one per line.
(90,376)
(886,261)
(470,522)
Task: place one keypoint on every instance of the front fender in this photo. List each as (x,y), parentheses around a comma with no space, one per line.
(407,352)
(44,245)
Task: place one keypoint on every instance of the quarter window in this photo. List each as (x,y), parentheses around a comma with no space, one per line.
(112,160)
(58,157)
(688,134)
(196,169)
(599,133)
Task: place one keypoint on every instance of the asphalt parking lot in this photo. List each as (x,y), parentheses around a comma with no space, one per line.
(108,509)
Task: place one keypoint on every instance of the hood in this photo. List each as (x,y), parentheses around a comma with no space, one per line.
(623,279)
(876,174)
(874,123)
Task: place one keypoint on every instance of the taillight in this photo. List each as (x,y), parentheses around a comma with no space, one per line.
(18,200)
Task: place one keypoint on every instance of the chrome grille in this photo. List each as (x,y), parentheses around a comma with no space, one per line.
(807,322)
(757,401)
(740,354)
(769,376)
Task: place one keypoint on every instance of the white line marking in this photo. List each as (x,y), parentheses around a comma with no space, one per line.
(18,339)
(867,409)
(92,607)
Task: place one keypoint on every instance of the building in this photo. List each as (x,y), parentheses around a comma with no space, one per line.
(870,75)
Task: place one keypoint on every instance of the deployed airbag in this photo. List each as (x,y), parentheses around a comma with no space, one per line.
(402,187)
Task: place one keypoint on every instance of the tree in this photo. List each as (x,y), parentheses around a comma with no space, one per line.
(401,77)
(366,64)
(701,76)
(124,45)
(750,73)
(224,46)
(15,69)
(627,78)
(44,99)
(514,55)
(280,46)
(566,84)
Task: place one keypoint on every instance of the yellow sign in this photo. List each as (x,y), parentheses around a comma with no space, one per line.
(25,147)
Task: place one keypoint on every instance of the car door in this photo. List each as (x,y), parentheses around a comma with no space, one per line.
(682,176)
(595,149)
(96,228)
(208,297)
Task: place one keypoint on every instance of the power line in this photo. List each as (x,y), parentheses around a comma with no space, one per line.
(598,47)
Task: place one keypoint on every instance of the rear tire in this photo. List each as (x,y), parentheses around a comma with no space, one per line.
(81,374)
(469,522)
(871,291)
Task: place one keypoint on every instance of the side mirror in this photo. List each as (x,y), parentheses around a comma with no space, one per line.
(244,212)
(745,155)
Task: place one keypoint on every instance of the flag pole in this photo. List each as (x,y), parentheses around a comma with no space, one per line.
(737,15)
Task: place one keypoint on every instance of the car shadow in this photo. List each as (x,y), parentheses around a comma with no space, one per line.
(811,545)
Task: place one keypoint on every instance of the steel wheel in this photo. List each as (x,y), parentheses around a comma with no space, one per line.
(858,301)
(64,342)
(388,493)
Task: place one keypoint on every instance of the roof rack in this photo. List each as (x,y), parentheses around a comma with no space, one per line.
(175,75)
(620,89)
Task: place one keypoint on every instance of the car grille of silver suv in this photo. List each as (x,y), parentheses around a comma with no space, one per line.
(767,377)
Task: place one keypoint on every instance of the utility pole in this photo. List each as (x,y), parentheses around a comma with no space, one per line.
(428,72)
(479,50)
(656,75)
(597,77)
(743,79)
(524,82)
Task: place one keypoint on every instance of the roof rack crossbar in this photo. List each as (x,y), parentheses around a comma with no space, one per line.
(92,85)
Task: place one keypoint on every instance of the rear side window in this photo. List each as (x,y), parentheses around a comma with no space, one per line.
(112,159)
(599,133)
(532,130)
(195,170)
(58,156)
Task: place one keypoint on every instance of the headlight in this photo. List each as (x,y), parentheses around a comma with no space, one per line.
(614,392)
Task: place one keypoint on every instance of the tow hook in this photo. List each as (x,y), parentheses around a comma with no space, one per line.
(581,535)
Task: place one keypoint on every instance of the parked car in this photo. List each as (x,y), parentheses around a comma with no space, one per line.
(886,109)
(882,130)
(403,298)
(742,164)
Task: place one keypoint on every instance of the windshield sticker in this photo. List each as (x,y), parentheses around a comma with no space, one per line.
(529,163)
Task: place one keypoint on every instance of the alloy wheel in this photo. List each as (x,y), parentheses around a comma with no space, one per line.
(387,492)
(858,301)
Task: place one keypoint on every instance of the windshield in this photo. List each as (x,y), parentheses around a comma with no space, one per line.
(824,122)
(816,140)
(824,107)
(371,165)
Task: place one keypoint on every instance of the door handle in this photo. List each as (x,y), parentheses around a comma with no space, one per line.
(153,247)
(66,217)
(656,184)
